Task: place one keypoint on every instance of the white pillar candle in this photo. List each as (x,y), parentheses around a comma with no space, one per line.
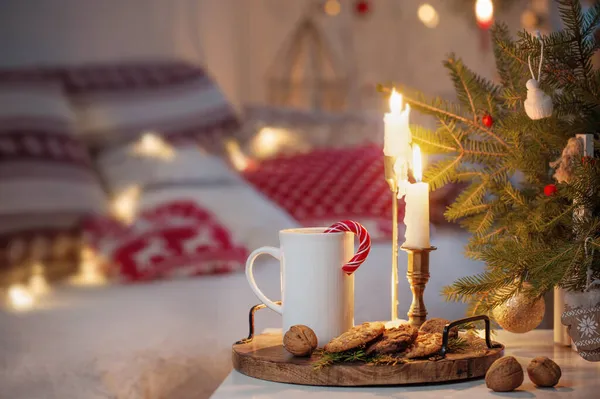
(397,136)
(416,215)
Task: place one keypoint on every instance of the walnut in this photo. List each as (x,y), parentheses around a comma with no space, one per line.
(543,372)
(300,340)
(505,374)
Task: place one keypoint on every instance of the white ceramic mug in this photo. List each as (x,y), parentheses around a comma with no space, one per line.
(314,289)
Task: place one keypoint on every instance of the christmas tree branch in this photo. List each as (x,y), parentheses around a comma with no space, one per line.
(451,131)
(486,222)
(568,211)
(421,140)
(456,69)
(460,118)
(493,233)
(440,111)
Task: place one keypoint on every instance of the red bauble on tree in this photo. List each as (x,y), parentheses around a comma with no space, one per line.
(550,190)
(487,120)
(362,7)
(588,161)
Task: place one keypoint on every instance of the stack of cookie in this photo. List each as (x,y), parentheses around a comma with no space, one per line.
(404,341)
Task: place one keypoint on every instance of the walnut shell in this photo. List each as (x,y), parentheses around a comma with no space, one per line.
(505,374)
(543,372)
(300,340)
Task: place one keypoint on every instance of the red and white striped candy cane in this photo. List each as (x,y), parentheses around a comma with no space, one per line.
(363,237)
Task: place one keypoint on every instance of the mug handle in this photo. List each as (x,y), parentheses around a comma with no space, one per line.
(274,252)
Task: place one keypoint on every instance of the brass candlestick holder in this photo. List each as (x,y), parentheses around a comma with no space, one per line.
(418,276)
(390,178)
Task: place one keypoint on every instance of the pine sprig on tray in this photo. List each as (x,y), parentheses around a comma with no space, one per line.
(457,344)
(327,359)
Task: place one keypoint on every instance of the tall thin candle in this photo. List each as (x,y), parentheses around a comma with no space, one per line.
(397,136)
(417,207)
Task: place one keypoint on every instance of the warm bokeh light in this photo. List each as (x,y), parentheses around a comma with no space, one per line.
(395,102)
(428,15)
(269,141)
(153,146)
(238,159)
(417,163)
(484,12)
(125,204)
(38,285)
(332,7)
(90,272)
(19,298)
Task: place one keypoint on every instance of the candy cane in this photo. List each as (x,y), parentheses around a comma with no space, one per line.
(363,248)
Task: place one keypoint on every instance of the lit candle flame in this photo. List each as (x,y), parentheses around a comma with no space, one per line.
(484,12)
(395,102)
(417,163)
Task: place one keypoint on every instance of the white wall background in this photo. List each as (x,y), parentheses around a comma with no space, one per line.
(238,39)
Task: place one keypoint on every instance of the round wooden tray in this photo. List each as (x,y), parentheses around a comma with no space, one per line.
(265,358)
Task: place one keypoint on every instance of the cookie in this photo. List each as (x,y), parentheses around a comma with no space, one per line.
(436,325)
(394,340)
(355,337)
(425,345)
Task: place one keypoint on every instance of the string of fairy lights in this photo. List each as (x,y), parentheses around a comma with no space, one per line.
(265,143)
(427,14)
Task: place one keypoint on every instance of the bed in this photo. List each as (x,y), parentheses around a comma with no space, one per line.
(165,337)
(172,339)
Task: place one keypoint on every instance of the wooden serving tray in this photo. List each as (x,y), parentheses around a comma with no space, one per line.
(265,358)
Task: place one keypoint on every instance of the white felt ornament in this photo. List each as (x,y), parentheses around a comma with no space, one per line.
(538,104)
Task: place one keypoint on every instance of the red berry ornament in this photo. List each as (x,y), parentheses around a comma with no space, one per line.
(588,161)
(487,120)
(362,7)
(550,190)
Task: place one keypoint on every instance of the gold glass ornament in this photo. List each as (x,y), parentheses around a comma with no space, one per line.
(520,314)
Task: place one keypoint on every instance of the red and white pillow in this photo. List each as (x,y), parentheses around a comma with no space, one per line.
(325,186)
(47,182)
(118,103)
(177,239)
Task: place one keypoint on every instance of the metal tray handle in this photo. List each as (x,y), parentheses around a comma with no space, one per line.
(253,310)
(447,327)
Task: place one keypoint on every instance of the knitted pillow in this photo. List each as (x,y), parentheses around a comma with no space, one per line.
(325,186)
(176,239)
(118,103)
(47,182)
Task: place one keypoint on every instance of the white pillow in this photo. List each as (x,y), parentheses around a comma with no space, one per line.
(253,219)
(121,168)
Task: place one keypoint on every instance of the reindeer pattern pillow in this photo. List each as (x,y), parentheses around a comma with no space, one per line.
(176,239)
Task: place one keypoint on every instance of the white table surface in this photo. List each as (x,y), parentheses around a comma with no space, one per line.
(580,379)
